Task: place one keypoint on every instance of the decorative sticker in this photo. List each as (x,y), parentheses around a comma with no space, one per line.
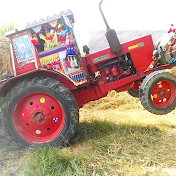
(70,63)
(23,48)
(79,77)
(101,58)
(136,46)
(37,29)
(55,119)
(42,100)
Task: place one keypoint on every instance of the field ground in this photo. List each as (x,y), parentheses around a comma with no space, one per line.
(116,136)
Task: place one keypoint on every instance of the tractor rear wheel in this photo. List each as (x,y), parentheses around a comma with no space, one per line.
(40,112)
(158,92)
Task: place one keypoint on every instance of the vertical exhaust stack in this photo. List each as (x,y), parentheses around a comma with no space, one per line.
(111,35)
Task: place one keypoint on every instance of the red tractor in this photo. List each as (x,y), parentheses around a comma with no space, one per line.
(52,81)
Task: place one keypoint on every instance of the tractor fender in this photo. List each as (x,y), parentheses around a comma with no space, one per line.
(7,85)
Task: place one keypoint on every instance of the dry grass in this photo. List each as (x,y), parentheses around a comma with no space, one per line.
(5,58)
(148,145)
(121,108)
(116,136)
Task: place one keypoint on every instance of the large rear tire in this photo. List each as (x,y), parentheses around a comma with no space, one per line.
(158,92)
(40,112)
(134,91)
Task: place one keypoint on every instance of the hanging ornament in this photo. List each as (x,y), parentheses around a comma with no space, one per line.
(53,24)
(37,29)
(68,63)
(35,40)
(66,31)
(59,28)
(49,36)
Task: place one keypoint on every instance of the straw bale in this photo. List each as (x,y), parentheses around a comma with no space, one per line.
(5,57)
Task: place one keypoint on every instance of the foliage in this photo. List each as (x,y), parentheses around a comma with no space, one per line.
(6,27)
(5,57)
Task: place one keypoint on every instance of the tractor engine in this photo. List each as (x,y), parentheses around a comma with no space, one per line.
(117,68)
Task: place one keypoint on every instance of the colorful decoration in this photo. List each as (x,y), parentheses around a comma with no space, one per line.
(48,19)
(59,28)
(55,119)
(61,38)
(48,35)
(49,43)
(65,32)
(69,42)
(172,29)
(35,40)
(59,34)
(71,51)
(53,24)
(68,64)
(79,77)
(37,29)
(49,59)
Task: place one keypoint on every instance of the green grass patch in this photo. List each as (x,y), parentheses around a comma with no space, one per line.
(105,148)
(123,140)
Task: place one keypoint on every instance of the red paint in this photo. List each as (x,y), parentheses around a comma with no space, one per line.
(8,84)
(136,85)
(142,58)
(111,78)
(115,71)
(39,117)
(148,45)
(23,66)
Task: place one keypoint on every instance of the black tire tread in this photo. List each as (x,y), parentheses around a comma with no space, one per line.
(133,92)
(144,89)
(52,84)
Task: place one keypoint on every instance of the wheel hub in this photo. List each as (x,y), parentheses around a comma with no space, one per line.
(39,117)
(162,93)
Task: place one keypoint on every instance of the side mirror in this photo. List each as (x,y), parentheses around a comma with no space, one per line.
(86,49)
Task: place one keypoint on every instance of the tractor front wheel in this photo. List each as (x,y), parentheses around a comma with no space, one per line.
(40,112)
(158,92)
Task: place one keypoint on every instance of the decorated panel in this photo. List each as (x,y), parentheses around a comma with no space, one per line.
(57,48)
(23,48)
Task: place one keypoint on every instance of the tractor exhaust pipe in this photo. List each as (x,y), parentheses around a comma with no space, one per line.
(102,14)
(111,35)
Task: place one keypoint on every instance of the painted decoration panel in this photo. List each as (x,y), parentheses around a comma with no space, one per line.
(23,48)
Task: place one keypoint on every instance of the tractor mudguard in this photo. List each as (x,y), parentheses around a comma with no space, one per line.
(7,85)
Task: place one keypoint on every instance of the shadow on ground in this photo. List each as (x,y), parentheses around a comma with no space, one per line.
(134,141)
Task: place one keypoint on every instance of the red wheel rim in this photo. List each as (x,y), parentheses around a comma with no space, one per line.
(39,117)
(163,94)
